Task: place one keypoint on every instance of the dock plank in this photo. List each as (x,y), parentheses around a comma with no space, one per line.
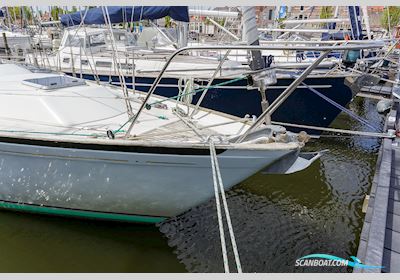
(394,207)
(380,236)
(392,241)
(377,227)
(391,261)
(393,222)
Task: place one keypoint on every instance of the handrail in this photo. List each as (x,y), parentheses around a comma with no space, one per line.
(222,47)
(311,42)
(290,48)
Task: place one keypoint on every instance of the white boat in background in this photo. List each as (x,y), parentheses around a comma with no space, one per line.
(89,50)
(64,149)
(43,41)
(15,40)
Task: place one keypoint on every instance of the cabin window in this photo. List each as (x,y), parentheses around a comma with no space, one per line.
(301,8)
(97,40)
(65,60)
(121,37)
(103,64)
(74,41)
(300,16)
(125,65)
(84,62)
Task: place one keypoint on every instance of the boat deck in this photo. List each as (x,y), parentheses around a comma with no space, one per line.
(65,106)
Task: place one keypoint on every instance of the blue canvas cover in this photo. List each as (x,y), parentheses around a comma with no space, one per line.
(123,13)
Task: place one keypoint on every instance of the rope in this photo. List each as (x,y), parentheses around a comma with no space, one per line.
(186,88)
(119,129)
(219,214)
(217,179)
(130,119)
(337,130)
(198,90)
(133,12)
(344,109)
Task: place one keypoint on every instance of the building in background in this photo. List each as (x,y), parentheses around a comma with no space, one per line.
(375,14)
(202,25)
(266,15)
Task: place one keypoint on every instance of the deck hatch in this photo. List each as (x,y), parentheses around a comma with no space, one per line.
(53,82)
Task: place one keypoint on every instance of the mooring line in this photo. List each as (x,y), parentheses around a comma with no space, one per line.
(342,108)
(217,179)
(219,214)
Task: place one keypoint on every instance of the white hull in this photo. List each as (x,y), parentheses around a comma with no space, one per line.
(145,184)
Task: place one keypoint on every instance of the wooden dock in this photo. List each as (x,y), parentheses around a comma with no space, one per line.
(380,236)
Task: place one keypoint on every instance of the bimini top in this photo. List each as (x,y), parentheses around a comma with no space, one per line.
(124,13)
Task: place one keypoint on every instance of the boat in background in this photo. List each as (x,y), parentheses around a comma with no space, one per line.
(86,53)
(15,41)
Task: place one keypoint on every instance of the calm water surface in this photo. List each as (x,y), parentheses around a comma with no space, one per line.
(277,219)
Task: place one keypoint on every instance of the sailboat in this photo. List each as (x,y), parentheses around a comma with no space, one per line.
(10,39)
(70,147)
(14,40)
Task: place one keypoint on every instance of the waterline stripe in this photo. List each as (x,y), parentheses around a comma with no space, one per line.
(79,213)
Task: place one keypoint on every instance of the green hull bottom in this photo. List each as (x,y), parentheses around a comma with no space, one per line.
(79,213)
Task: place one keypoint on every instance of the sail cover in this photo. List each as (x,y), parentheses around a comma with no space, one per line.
(355,20)
(120,14)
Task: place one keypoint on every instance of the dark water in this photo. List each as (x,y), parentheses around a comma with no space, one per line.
(277,219)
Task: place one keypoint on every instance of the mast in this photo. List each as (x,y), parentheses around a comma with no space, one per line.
(366,21)
(250,36)
(183,33)
(8,17)
(336,14)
